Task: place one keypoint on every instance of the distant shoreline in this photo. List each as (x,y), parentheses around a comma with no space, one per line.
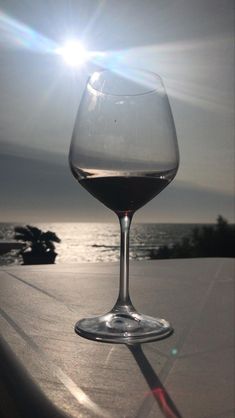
(103,222)
(99,242)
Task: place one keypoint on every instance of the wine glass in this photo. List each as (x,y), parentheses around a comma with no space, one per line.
(124,152)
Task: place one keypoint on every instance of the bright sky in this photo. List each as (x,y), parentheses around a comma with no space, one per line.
(189,44)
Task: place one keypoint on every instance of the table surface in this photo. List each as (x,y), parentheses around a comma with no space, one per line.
(46,370)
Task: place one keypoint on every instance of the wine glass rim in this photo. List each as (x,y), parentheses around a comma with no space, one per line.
(148,91)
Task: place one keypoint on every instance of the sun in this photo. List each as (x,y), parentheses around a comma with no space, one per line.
(74,53)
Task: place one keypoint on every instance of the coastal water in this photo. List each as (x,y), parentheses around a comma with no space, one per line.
(99,242)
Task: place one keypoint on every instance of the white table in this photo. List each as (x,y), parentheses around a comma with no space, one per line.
(46,368)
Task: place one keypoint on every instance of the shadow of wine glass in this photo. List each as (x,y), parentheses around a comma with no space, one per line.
(157,389)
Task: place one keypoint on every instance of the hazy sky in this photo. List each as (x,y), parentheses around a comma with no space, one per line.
(188,43)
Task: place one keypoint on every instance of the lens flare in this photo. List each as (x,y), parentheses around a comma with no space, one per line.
(73,53)
(17,35)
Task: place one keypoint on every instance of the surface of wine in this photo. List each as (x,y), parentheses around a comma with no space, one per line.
(124,194)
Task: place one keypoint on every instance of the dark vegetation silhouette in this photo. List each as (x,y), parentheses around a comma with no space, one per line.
(205,241)
(39,246)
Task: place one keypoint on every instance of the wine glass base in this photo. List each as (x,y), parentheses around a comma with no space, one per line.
(123,328)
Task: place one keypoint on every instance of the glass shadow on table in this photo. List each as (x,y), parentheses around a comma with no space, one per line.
(158,391)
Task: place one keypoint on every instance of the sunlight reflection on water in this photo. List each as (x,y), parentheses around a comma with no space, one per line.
(99,242)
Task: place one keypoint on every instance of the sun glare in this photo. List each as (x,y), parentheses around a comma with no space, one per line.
(73,53)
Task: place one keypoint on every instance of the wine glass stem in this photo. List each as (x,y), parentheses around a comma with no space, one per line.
(124,298)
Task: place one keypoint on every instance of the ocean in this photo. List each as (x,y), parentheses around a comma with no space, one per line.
(99,242)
